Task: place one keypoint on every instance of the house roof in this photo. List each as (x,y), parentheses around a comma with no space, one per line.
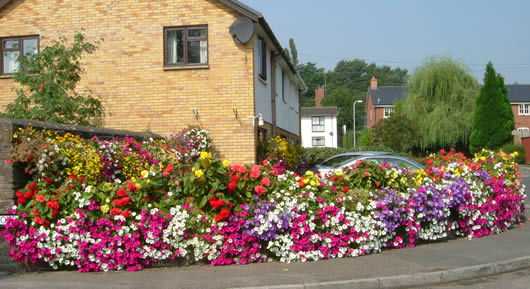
(387,95)
(3,2)
(256,16)
(519,92)
(318,111)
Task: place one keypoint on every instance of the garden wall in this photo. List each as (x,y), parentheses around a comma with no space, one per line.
(12,177)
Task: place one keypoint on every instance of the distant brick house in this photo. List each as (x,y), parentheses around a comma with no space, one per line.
(380,101)
(520,99)
(319,124)
(166,64)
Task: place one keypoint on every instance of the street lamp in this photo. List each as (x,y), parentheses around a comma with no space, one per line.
(357,101)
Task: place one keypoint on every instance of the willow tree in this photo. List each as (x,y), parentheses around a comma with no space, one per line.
(442,94)
(493,119)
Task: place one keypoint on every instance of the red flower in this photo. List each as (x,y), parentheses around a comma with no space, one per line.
(232,186)
(216,203)
(131,187)
(32,187)
(81,179)
(122,202)
(21,200)
(260,190)
(266,182)
(39,220)
(126,213)
(115,211)
(19,194)
(255,171)
(121,193)
(48,180)
(30,156)
(301,184)
(443,151)
(265,162)
(41,198)
(53,204)
(222,215)
(27,195)
(165,174)
(345,189)
(41,87)
(169,168)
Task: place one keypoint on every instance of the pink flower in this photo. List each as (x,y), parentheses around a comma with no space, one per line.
(255,171)
(260,190)
(266,182)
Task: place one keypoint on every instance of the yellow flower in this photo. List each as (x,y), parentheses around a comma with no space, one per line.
(309,173)
(199,173)
(145,174)
(138,186)
(312,183)
(105,208)
(15,135)
(209,155)
(515,153)
(204,155)
(226,163)
(133,179)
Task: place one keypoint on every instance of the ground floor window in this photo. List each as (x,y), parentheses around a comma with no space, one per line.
(318,141)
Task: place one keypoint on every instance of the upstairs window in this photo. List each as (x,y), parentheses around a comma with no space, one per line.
(262,58)
(12,48)
(317,123)
(524,109)
(185,45)
(388,111)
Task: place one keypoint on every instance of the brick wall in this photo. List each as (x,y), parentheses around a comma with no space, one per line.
(127,70)
(520,120)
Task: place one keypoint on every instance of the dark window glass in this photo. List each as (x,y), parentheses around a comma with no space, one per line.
(262,58)
(12,48)
(186,45)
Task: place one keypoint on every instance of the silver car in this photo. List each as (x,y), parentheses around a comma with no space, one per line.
(336,163)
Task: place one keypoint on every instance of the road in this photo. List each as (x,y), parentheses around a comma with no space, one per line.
(511,280)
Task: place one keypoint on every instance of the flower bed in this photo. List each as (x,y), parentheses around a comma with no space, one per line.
(122,204)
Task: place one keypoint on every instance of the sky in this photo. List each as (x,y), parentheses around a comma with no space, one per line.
(403,33)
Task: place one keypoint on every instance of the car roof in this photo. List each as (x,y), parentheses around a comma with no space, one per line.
(360,153)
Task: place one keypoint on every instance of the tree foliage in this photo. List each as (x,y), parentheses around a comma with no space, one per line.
(48,84)
(294,52)
(441,97)
(396,132)
(314,77)
(493,119)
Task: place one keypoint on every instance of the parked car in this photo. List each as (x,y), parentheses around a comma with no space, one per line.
(336,163)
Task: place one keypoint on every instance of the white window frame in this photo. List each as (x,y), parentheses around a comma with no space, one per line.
(524,109)
(523,129)
(387,111)
(320,123)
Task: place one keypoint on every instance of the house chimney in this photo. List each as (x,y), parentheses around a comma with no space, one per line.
(319,95)
(373,82)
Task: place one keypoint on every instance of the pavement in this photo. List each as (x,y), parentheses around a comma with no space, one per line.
(423,265)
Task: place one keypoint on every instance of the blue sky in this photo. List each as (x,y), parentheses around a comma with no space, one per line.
(402,33)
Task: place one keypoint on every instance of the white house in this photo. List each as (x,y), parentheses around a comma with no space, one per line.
(319,126)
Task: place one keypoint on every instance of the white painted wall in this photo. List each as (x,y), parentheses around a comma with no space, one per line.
(329,133)
(287,109)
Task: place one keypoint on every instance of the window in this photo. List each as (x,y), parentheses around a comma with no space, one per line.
(12,48)
(388,111)
(318,141)
(524,109)
(262,134)
(317,123)
(283,86)
(262,58)
(523,129)
(185,45)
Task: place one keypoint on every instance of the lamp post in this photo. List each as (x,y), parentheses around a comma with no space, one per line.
(354,140)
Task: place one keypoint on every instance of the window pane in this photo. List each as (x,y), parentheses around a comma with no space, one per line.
(30,47)
(10,61)
(175,47)
(198,51)
(11,44)
(197,33)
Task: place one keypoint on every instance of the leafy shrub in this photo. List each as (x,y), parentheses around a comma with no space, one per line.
(365,138)
(396,132)
(279,151)
(511,148)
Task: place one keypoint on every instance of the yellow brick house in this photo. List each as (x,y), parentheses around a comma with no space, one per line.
(166,64)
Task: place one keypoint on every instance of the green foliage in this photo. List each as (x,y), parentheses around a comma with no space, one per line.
(493,119)
(396,132)
(279,150)
(365,138)
(441,97)
(314,78)
(294,52)
(511,148)
(48,83)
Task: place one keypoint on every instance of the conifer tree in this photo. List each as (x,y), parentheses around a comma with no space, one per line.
(493,119)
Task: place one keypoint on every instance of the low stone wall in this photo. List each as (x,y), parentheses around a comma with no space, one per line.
(12,176)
